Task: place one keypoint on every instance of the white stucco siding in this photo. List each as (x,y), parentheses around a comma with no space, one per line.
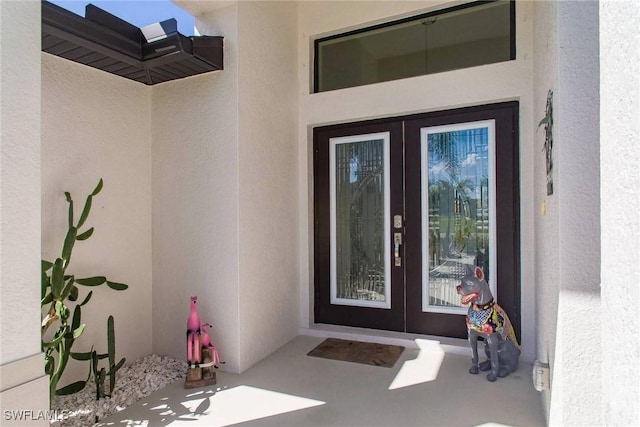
(267,109)
(473,86)
(97,125)
(545,206)
(576,383)
(24,385)
(620,217)
(20,181)
(195,200)
(240,241)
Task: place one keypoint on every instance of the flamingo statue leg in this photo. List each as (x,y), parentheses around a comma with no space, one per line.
(189,347)
(215,357)
(196,348)
(193,333)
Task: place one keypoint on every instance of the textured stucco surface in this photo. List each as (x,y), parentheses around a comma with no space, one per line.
(195,200)
(20,212)
(19,181)
(620,217)
(225,182)
(475,86)
(267,114)
(576,396)
(96,125)
(546,224)
(195,203)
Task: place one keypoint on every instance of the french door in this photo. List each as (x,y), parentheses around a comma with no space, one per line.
(403,207)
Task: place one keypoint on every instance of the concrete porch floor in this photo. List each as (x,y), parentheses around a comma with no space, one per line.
(426,387)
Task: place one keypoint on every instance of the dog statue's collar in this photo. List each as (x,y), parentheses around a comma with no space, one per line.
(484,306)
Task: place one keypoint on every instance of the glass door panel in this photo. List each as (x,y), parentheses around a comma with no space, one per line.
(360,212)
(458,221)
(403,206)
(358,190)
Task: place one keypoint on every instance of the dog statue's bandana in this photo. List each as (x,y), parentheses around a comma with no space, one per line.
(489,318)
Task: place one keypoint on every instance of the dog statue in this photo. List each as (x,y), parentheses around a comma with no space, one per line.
(487,320)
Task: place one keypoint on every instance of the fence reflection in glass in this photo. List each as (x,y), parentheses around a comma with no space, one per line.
(456,209)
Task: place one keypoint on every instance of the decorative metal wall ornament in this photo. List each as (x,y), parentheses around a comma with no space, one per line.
(547,121)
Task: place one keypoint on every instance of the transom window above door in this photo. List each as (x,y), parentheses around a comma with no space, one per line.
(467,35)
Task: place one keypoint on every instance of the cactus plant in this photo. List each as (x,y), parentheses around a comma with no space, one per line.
(100,375)
(58,289)
(111,354)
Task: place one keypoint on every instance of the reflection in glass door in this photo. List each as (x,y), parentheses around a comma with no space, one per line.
(359,207)
(403,206)
(458,221)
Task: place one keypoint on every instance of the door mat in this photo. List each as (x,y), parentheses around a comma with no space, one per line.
(359,352)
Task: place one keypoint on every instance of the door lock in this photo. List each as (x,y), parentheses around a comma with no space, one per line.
(397,241)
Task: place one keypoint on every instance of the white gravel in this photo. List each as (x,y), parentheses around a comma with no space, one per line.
(133,381)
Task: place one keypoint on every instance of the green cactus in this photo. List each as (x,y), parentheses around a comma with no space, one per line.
(100,375)
(111,354)
(59,288)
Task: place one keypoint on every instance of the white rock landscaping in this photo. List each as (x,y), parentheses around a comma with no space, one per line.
(134,381)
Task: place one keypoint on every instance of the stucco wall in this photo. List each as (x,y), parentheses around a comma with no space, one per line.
(97,125)
(213,158)
(123,209)
(20,182)
(20,210)
(576,393)
(474,86)
(225,188)
(620,218)
(545,206)
(195,200)
(267,110)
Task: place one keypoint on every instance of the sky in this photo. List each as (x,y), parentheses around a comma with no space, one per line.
(137,12)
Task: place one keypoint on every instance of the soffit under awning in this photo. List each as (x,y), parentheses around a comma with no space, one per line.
(150,55)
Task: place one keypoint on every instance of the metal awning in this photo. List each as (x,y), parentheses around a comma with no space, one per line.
(153,54)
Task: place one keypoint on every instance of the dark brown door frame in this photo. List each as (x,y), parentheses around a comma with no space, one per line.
(375,318)
(507,216)
(406,314)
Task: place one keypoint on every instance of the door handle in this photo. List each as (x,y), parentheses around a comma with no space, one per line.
(397,241)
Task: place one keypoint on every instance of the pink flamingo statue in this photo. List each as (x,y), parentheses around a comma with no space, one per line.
(206,343)
(193,334)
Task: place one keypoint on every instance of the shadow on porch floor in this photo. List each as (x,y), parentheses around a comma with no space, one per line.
(289,388)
